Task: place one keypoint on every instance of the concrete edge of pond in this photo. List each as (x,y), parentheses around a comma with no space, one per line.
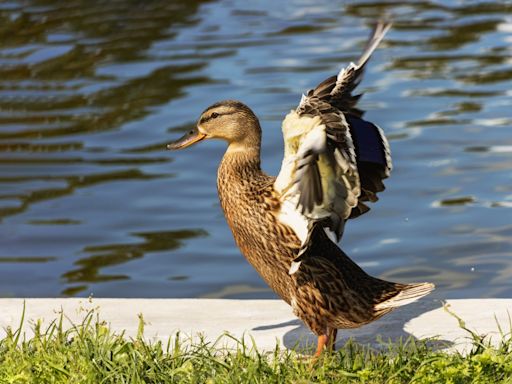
(267,321)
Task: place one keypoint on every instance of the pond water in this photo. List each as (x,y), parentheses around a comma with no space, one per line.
(91,91)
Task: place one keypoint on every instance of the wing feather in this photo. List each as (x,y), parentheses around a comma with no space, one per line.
(310,182)
(334,160)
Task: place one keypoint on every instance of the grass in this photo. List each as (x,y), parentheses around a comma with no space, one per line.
(91,353)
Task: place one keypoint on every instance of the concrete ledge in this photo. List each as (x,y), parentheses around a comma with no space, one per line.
(268,321)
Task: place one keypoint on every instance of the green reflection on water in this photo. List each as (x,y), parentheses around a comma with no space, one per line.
(108,255)
(55,222)
(72,183)
(28,259)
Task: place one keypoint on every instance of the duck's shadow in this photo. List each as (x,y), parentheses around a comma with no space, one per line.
(389,328)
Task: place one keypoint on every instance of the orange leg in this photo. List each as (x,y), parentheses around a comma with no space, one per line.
(322,342)
(327,340)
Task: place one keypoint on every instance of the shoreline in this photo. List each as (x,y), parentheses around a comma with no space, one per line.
(266,321)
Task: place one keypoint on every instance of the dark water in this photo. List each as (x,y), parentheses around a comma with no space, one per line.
(91,91)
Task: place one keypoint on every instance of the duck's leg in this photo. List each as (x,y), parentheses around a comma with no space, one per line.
(321,343)
(327,340)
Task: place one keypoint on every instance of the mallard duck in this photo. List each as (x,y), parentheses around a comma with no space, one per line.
(288,226)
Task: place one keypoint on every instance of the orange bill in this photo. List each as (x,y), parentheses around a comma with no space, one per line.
(189,138)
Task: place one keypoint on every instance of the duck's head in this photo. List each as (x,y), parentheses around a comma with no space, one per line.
(229,120)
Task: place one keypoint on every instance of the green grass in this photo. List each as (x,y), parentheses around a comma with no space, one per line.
(91,353)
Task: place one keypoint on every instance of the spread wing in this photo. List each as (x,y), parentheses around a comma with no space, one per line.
(334,160)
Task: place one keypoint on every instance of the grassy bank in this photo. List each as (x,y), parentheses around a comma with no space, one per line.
(91,353)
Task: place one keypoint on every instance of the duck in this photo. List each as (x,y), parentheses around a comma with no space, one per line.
(288,227)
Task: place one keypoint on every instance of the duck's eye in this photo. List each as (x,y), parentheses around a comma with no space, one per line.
(214,115)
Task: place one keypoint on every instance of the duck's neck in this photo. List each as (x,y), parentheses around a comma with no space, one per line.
(238,173)
(239,165)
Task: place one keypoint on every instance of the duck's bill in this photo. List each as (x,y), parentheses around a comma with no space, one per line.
(187,140)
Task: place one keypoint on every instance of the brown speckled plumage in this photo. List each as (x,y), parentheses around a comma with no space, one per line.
(257,232)
(326,289)
(329,290)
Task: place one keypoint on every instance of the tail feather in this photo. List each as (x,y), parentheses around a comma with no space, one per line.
(407,295)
